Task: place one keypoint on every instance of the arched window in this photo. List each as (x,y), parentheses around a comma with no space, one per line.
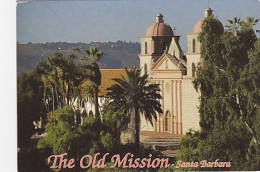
(84,114)
(145,47)
(168,121)
(145,68)
(91,114)
(193,46)
(193,68)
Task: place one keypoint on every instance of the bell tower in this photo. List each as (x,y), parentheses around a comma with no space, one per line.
(194,54)
(156,42)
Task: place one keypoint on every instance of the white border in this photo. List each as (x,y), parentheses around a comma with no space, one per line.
(8,120)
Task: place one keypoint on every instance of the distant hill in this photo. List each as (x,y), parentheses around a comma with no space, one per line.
(116,54)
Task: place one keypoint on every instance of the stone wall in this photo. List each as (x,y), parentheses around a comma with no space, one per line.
(190,104)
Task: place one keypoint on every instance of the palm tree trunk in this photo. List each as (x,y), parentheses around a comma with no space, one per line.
(57,97)
(44,97)
(137,130)
(96,102)
(53,103)
(133,132)
(245,122)
(235,32)
(68,92)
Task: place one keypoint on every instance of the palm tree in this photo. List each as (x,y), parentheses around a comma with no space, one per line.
(135,96)
(61,75)
(93,72)
(234,25)
(249,23)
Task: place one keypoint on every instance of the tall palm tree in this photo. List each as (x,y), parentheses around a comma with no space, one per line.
(93,72)
(67,74)
(135,96)
(234,25)
(61,75)
(249,23)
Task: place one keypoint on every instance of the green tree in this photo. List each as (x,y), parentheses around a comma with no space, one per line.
(189,150)
(117,119)
(61,76)
(209,79)
(234,25)
(249,98)
(29,106)
(78,139)
(249,23)
(229,85)
(135,96)
(93,72)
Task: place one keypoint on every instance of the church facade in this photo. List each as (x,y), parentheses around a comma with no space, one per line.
(162,58)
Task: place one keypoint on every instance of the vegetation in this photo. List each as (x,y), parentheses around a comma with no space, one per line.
(93,73)
(135,96)
(62,77)
(29,109)
(49,87)
(229,103)
(30,106)
(229,109)
(79,138)
(90,136)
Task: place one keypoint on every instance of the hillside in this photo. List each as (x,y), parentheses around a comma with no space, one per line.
(117,54)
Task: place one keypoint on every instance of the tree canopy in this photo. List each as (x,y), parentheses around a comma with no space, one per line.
(228,82)
(135,96)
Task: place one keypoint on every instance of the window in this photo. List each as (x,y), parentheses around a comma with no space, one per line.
(168,121)
(193,46)
(145,47)
(145,68)
(193,68)
(90,114)
(166,64)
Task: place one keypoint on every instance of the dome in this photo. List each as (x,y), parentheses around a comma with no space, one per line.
(198,26)
(159,28)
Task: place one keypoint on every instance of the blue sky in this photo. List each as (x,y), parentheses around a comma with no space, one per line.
(87,21)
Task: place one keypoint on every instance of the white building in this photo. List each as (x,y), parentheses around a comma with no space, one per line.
(162,58)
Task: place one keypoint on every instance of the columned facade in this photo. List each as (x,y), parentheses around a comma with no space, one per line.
(163,59)
(171,119)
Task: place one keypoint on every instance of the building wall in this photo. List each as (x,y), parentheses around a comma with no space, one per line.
(145,56)
(175,49)
(190,105)
(146,125)
(179,97)
(145,59)
(190,37)
(149,42)
(192,58)
(168,64)
(182,101)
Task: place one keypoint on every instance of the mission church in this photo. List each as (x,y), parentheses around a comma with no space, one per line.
(163,59)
